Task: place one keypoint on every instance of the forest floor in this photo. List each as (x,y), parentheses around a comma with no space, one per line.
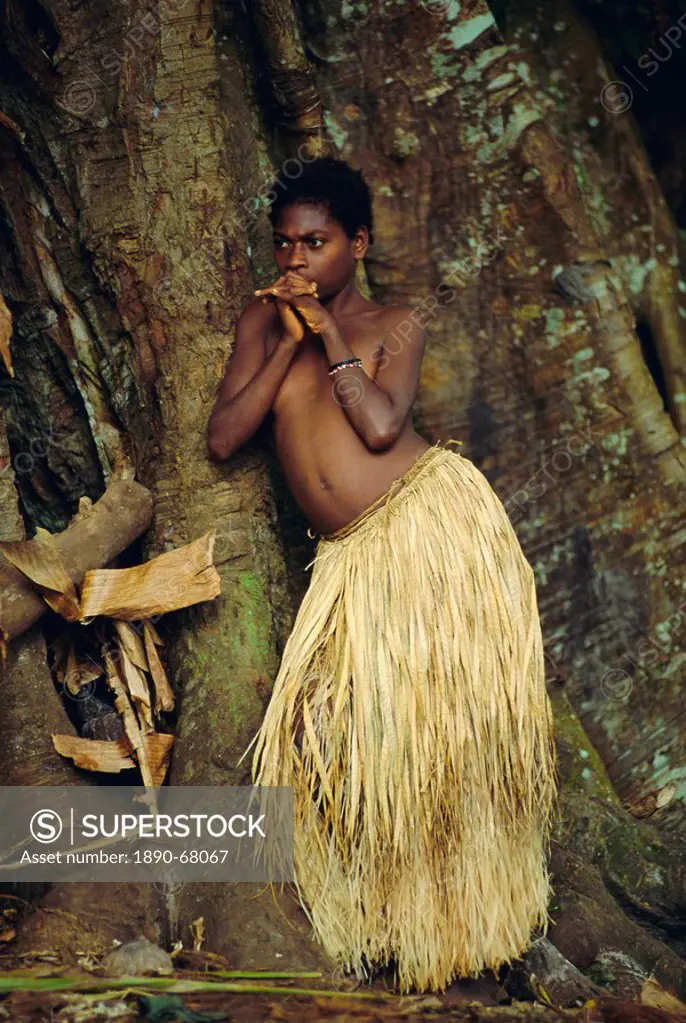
(45,986)
(285,1001)
(137,1005)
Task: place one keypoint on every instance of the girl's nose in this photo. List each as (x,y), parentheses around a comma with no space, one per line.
(298,259)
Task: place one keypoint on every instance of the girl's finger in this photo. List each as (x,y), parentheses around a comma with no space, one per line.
(302,287)
(285,293)
(281,293)
(292,275)
(278,283)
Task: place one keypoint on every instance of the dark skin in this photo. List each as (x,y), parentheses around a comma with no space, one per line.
(341,440)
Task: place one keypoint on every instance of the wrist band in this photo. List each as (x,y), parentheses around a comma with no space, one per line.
(341,365)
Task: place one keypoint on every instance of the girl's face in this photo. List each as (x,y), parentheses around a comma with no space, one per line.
(309,242)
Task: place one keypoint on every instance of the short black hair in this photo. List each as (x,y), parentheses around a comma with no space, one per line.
(333,184)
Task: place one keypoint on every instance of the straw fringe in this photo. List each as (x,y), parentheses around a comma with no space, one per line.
(411,717)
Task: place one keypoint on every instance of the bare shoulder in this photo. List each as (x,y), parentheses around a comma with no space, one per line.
(399,311)
(257,312)
(261,318)
(392,316)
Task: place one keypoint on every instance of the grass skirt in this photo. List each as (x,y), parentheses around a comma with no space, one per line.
(410,716)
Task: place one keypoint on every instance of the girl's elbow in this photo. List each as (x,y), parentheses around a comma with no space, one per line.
(381,440)
(216,450)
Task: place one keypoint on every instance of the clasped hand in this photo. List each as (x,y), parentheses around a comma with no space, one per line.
(298,306)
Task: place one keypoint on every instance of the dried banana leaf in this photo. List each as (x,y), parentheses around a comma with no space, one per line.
(158,747)
(133,665)
(132,643)
(171,581)
(112,757)
(139,691)
(79,672)
(42,564)
(115,681)
(149,627)
(111,525)
(95,754)
(164,695)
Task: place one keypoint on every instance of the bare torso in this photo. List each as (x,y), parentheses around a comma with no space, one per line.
(330,471)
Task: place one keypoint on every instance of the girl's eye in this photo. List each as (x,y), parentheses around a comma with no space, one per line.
(279,243)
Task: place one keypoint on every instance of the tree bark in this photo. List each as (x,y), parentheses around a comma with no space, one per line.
(630,611)
(31,707)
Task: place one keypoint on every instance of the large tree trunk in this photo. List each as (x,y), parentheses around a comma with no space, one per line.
(130,242)
(621,634)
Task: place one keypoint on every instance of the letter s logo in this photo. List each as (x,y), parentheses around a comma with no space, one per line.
(46,826)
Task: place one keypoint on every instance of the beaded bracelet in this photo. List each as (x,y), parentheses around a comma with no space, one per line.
(341,365)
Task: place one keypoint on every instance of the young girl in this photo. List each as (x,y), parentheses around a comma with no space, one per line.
(409,712)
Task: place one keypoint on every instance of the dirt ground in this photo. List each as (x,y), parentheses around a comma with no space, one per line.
(25,1007)
(366,1004)
(317,996)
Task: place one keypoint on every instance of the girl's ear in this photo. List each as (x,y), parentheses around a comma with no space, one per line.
(361,242)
